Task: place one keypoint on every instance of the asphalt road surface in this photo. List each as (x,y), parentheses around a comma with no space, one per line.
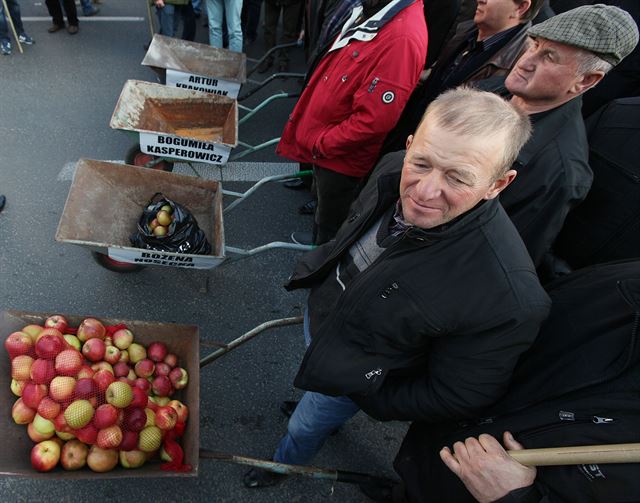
(55,104)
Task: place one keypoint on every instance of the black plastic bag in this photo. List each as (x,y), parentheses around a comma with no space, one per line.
(183,236)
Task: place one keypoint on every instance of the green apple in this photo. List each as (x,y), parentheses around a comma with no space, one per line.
(79,414)
(43,426)
(119,394)
(73,341)
(150,439)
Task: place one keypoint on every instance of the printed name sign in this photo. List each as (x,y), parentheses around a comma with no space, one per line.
(184,148)
(206,84)
(152,257)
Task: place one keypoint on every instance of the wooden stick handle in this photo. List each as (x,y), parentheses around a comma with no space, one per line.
(581,455)
(7,15)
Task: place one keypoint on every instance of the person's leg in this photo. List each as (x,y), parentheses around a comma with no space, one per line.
(232,11)
(335,193)
(253,18)
(313,420)
(188,22)
(215,12)
(88,9)
(290,31)
(55,11)
(14,10)
(166,19)
(197,10)
(71,12)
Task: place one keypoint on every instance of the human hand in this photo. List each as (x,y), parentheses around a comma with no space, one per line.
(159,3)
(485,468)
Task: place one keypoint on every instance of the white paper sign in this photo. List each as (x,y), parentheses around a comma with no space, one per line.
(199,83)
(152,257)
(184,148)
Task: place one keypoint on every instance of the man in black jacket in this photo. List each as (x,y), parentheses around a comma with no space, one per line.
(577,385)
(421,306)
(568,54)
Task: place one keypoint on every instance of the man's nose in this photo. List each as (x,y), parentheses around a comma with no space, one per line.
(430,186)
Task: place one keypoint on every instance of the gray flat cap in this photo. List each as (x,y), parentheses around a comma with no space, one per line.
(607,31)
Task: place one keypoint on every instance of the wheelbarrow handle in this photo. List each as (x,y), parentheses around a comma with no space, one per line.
(579,455)
(307,471)
(281,322)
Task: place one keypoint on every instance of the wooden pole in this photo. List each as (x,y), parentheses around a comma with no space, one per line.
(150,15)
(7,15)
(581,455)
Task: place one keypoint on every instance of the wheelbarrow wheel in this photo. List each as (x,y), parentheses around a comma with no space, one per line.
(136,157)
(115,265)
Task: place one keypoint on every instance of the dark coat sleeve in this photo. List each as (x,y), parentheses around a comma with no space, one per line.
(464,374)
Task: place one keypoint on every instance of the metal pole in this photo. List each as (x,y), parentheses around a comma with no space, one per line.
(248,336)
(7,15)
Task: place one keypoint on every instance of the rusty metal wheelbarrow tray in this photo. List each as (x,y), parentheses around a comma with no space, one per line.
(106,200)
(183,341)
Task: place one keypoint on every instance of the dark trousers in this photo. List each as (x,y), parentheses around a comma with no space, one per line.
(290,23)
(55,10)
(188,22)
(335,193)
(250,19)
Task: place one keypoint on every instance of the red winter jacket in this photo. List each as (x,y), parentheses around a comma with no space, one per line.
(356,95)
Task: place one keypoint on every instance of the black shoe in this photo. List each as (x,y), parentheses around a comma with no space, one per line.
(264,66)
(308,208)
(258,477)
(302,238)
(3,201)
(288,406)
(55,27)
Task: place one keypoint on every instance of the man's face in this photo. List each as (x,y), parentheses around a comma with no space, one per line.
(495,15)
(446,174)
(546,73)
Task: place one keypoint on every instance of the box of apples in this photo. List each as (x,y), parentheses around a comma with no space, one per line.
(98,397)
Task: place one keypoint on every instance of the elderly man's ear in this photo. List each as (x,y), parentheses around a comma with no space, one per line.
(500,184)
(587,81)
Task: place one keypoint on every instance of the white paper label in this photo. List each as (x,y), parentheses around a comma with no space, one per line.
(205,84)
(184,148)
(152,257)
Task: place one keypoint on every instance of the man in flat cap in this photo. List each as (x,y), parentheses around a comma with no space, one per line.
(568,54)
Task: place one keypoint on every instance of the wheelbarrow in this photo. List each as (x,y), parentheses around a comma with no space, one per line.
(101,187)
(184,341)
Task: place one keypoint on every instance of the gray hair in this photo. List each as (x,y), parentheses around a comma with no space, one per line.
(588,62)
(470,112)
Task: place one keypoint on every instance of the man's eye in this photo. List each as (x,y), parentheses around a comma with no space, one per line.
(456,180)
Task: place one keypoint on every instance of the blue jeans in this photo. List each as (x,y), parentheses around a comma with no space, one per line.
(313,420)
(196,6)
(217,10)
(87,7)
(167,19)
(14,11)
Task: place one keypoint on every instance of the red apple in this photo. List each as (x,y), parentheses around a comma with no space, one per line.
(157,351)
(85,372)
(47,331)
(102,460)
(94,349)
(60,423)
(145,368)
(49,408)
(171,360)
(140,398)
(61,388)
(68,362)
(74,455)
(109,438)
(179,377)
(129,440)
(143,384)
(18,343)
(42,371)
(103,378)
(32,331)
(102,366)
(85,388)
(161,386)
(162,369)
(58,322)
(122,338)
(90,328)
(121,369)
(106,415)
(17,387)
(33,394)
(45,455)
(21,368)
(48,346)
(36,436)
(112,355)
(135,419)
(22,414)
(87,434)
(124,355)
(166,418)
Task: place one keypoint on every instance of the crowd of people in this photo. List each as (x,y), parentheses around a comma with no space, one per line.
(476,269)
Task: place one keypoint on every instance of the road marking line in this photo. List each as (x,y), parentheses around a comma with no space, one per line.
(93,19)
(231,172)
